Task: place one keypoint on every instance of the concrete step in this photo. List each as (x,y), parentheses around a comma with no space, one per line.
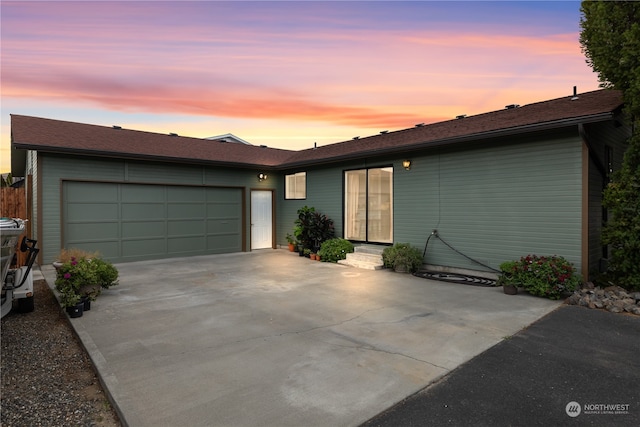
(365,256)
(369,249)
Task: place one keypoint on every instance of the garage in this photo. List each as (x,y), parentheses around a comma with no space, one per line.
(133,222)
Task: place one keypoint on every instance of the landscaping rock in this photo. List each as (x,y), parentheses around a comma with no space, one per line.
(612,298)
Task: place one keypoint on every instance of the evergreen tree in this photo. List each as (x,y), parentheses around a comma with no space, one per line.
(610,39)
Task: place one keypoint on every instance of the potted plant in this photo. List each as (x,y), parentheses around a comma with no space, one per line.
(402,258)
(291,242)
(66,255)
(508,277)
(312,228)
(71,278)
(81,280)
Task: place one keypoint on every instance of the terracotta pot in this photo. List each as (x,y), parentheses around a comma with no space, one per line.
(292,247)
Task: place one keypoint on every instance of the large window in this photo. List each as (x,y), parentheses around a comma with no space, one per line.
(368,205)
(295,186)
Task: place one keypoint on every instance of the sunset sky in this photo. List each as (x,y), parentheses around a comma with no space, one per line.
(285,74)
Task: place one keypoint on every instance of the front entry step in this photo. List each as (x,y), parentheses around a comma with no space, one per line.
(368,257)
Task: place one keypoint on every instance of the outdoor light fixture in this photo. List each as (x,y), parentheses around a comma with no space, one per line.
(262,176)
(406,164)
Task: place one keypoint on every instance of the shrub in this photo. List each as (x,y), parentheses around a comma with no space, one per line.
(312,228)
(72,277)
(402,257)
(333,250)
(83,277)
(543,276)
(107,274)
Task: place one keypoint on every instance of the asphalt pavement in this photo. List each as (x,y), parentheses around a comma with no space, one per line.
(573,367)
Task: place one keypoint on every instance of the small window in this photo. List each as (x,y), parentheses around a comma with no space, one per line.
(295,186)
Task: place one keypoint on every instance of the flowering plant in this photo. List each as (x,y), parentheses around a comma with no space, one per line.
(84,277)
(543,276)
(72,277)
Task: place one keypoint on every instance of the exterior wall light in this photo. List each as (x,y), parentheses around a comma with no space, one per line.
(406,164)
(262,176)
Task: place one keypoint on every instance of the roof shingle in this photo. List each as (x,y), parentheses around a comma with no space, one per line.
(68,137)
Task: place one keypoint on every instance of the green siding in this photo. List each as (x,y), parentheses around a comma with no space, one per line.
(55,169)
(496,202)
(493,203)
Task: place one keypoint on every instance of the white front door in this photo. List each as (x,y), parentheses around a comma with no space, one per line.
(261,220)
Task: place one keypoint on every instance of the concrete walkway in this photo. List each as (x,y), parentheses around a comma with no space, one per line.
(269,338)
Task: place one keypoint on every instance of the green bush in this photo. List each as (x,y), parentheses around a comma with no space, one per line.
(333,250)
(107,274)
(402,257)
(543,276)
(83,277)
(312,228)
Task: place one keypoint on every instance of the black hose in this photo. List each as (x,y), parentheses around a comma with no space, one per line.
(435,233)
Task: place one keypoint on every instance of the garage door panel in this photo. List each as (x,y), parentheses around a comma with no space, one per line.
(186,227)
(186,210)
(146,229)
(151,211)
(131,222)
(94,212)
(143,193)
(223,243)
(231,225)
(223,210)
(107,249)
(187,245)
(144,248)
(94,192)
(90,231)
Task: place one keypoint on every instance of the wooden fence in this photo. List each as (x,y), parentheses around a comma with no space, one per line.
(13,204)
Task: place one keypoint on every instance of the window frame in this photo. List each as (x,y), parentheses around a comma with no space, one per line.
(295,191)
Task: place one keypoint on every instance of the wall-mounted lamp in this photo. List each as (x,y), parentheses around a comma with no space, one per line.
(406,164)
(262,176)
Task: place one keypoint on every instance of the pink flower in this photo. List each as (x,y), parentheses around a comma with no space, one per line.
(67,275)
(74,262)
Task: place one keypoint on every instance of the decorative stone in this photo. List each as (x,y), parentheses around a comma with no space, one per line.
(612,298)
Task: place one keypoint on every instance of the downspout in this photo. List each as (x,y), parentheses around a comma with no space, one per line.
(588,154)
(592,153)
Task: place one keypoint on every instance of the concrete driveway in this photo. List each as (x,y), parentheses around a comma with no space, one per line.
(269,338)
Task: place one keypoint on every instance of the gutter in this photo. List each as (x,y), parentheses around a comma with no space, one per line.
(592,153)
(325,160)
(129,156)
(454,140)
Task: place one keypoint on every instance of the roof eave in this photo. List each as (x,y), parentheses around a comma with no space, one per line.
(146,157)
(535,127)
